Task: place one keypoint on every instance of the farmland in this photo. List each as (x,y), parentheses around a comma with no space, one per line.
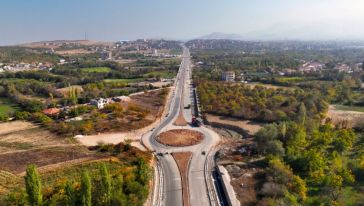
(6,107)
(96,70)
(349,108)
(59,161)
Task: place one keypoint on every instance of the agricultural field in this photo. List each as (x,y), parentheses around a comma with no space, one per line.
(349,108)
(161,74)
(126,81)
(96,70)
(23,143)
(61,160)
(7,107)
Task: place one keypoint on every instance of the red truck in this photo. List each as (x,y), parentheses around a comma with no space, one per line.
(195,122)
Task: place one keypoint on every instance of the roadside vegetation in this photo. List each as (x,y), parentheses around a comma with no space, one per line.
(122,178)
(302,154)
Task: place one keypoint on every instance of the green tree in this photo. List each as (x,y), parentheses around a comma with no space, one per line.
(86,196)
(106,186)
(118,196)
(302,113)
(69,191)
(33,186)
(344,140)
(265,135)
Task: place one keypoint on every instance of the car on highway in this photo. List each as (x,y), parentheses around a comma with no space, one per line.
(160,154)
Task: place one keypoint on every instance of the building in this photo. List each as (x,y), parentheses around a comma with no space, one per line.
(228,76)
(106,55)
(312,67)
(99,102)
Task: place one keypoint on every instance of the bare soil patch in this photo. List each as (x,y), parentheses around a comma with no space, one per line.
(246,127)
(182,159)
(20,135)
(153,101)
(180,138)
(17,162)
(180,121)
(246,173)
(347,119)
(73,52)
(269,86)
(23,143)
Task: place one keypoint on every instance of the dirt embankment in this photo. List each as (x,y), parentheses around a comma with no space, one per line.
(245,127)
(246,171)
(183,159)
(180,138)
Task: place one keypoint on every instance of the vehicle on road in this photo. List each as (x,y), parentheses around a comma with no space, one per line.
(195,122)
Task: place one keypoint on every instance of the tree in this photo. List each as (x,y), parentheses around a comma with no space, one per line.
(344,140)
(282,174)
(265,135)
(69,193)
(302,113)
(118,196)
(275,147)
(33,186)
(106,186)
(86,196)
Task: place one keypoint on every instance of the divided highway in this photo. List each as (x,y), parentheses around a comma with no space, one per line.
(201,190)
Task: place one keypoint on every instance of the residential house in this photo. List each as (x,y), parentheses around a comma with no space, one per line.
(99,102)
(228,76)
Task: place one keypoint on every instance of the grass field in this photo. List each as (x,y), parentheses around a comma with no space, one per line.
(6,106)
(349,108)
(124,80)
(162,74)
(290,79)
(97,69)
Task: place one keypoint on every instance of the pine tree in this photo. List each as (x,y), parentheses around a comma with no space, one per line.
(33,186)
(106,186)
(86,189)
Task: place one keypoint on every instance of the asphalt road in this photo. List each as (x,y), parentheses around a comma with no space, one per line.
(172,191)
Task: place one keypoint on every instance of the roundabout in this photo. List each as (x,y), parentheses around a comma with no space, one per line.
(180,138)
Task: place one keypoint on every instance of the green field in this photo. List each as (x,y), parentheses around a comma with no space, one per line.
(349,108)
(126,81)
(162,74)
(290,79)
(97,69)
(6,106)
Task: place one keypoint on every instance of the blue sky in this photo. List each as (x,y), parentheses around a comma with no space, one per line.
(35,20)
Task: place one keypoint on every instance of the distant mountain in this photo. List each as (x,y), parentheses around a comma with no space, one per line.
(289,31)
(219,35)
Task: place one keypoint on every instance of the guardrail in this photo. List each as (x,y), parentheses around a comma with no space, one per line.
(214,200)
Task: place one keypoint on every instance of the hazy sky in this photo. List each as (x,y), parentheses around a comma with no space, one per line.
(34,20)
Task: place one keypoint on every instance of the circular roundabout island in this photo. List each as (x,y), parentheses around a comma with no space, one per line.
(180,138)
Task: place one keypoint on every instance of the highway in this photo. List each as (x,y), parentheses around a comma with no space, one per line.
(199,175)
